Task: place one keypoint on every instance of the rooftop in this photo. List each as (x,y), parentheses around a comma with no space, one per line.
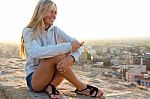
(13,85)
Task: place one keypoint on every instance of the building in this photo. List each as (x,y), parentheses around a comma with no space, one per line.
(136,71)
(143,79)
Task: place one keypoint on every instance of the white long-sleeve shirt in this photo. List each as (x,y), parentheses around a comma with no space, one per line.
(44,46)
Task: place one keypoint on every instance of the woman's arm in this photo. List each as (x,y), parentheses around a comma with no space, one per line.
(63,37)
(34,49)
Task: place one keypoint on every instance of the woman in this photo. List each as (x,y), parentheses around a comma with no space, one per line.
(50,54)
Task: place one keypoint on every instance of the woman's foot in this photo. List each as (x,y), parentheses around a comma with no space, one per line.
(52,92)
(90,91)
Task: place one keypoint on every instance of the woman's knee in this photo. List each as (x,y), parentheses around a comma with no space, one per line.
(38,87)
(59,57)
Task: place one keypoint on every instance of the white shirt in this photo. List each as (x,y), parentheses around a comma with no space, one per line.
(44,46)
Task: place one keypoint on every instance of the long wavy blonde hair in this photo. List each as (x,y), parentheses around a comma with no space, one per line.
(37,22)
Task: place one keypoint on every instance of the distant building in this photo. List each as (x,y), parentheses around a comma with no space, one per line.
(145,60)
(115,61)
(130,75)
(104,50)
(136,59)
(143,79)
(98,64)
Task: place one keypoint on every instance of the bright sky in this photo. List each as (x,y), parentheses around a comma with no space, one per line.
(82,19)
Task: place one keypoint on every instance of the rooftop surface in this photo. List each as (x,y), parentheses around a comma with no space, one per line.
(13,85)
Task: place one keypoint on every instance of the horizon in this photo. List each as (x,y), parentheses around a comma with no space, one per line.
(90,40)
(96,20)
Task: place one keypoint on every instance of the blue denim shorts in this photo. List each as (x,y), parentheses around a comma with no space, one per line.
(28,80)
(29,84)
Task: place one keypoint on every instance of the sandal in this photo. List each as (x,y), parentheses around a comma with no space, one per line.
(54,91)
(92,89)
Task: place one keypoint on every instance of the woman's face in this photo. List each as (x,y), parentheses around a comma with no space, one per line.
(51,16)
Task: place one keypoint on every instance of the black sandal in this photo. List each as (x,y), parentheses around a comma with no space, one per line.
(54,91)
(92,90)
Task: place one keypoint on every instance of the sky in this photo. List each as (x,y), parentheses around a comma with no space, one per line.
(81,19)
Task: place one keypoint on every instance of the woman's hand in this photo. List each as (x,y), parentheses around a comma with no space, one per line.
(65,63)
(76,45)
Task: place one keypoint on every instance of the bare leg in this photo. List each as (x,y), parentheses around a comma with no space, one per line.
(70,76)
(44,73)
(58,78)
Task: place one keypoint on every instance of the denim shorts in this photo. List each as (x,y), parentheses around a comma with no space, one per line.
(28,80)
(29,84)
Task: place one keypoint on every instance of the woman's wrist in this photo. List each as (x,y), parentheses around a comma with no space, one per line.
(71,59)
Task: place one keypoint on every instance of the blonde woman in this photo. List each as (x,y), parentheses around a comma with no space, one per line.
(50,54)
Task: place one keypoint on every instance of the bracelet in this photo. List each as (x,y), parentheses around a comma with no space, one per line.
(73,58)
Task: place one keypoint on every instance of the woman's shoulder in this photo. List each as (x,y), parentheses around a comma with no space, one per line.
(56,27)
(27,29)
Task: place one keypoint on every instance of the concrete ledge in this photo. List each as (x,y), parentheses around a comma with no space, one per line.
(14,93)
(13,84)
